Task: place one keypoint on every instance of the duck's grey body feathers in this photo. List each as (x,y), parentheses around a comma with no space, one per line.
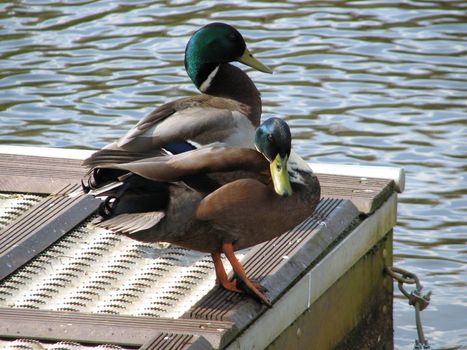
(226,113)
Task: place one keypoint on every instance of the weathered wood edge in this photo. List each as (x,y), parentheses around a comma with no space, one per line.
(366,198)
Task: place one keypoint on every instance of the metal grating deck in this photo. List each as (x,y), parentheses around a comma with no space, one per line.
(94,270)
(12,205)
(32,344)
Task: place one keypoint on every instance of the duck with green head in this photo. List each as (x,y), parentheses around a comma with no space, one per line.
(236,197)
(227,110)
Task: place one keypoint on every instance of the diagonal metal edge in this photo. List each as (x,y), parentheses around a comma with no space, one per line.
(108,329)
(41,226)
(309,240)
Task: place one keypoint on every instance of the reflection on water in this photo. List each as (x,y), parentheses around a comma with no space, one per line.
(364,82)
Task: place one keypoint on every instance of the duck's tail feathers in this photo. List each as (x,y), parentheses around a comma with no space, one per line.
(100,164)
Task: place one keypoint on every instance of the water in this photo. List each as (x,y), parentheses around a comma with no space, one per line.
(361,82)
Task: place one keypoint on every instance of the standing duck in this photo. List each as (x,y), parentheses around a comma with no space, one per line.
(215,199)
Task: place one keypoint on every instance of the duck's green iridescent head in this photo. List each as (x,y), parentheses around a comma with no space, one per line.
(273,139)
(214,44)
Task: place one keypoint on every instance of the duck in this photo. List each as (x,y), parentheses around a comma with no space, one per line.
(227,110)
(215,199)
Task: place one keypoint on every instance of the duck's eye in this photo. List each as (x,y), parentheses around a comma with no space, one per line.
(232,37)
(269,137)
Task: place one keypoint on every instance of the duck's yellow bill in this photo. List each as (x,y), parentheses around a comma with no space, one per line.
(280,176)
(248,59)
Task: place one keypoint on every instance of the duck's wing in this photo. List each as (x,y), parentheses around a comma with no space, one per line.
(180,125)
(173,128)
(106,157)
(202,161)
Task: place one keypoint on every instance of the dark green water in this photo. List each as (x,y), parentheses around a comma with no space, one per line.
(361,82)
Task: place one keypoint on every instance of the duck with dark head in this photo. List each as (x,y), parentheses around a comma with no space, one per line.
(252,196)
(228,109)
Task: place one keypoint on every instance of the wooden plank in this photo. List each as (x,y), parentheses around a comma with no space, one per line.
(32,174)
(110,329)
(41,226)
(367,194)
(363,171)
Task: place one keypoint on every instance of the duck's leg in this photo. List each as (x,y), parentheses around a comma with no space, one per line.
(250,287)
(223,280)
(221,275)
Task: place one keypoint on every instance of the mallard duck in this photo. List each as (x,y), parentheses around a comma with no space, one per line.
(227,110)
(215,199)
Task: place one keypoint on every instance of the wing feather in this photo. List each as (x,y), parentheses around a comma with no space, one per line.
(202,119)
(204,160)
(133,222)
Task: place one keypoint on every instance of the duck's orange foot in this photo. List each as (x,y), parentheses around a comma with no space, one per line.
(240,283)
(257,285)
(251,288)
(230,286)
(233,285)
(254,289)
(241,286)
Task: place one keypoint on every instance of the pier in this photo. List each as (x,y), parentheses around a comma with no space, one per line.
(66,283)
